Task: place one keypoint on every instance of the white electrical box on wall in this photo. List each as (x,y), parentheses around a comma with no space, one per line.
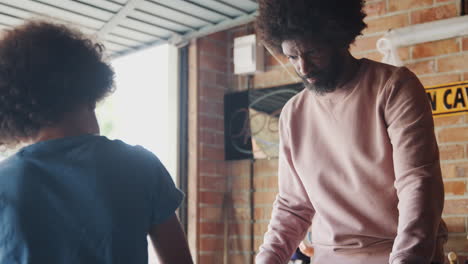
(248,55)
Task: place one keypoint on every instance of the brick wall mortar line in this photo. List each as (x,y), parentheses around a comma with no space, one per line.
(208,253)
(242,253)
(438,129)
(263,205)
(213,86)
(216,41)
(210,190)
(211,130)
(212,145)
(366,52)
(423,59)
(434,5)
(262,221)
(457,234)
(454,215)
(213,55)
(212,115)
(210,236)
(449,144)
(215,175)
(454,54)
(203,220)
(201,69)
(266,190)
(201,205)
(456,197)
(446,3)
(438,74)
(436,62)
(246,206)
(455,160)
(409,11)
(457,179)
(460,142)
(387,14)
(220,42)
(369,35)
(216,146)
(209,159)
(240,236)
(207,99)
(444,162)
(267,174)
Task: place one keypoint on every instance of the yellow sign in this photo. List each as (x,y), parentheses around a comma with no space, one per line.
(448,99)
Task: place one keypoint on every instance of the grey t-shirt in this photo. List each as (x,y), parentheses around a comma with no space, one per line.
(83,199)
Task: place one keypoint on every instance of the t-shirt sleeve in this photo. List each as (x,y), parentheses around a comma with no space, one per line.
(165,196)
(418,179)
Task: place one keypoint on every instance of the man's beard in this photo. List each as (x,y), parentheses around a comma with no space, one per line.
(326,80)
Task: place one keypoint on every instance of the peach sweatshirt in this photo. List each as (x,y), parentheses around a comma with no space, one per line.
(361,165)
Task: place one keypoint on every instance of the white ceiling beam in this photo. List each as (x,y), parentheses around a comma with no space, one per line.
(224,25)
(119,17)
(41,10)
(80,8)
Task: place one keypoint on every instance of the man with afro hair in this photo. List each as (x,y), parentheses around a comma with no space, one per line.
(70,195)
(359,162)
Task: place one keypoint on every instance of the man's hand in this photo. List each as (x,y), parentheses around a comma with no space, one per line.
(308,251)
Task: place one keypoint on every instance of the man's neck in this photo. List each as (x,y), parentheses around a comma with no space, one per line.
(350,68)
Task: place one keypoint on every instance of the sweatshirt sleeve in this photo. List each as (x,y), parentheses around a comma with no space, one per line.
(418,179)
(292,211)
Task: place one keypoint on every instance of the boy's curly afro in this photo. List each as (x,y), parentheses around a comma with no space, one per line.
(46,70)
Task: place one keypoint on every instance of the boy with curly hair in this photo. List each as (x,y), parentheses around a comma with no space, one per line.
(359,161)
(70,195)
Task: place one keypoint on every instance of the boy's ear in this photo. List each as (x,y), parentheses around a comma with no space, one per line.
(92,106)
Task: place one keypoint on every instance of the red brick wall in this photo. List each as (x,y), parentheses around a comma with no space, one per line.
(208,78)
(434,63)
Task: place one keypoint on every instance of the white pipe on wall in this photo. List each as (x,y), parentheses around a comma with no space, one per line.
(427,32)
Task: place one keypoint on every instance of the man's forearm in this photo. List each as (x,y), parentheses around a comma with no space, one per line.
(420,207)
(286,230)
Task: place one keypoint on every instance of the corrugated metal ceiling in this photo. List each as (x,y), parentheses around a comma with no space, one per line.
(128,25)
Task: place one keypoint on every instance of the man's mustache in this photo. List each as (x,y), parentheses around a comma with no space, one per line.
(313,75)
